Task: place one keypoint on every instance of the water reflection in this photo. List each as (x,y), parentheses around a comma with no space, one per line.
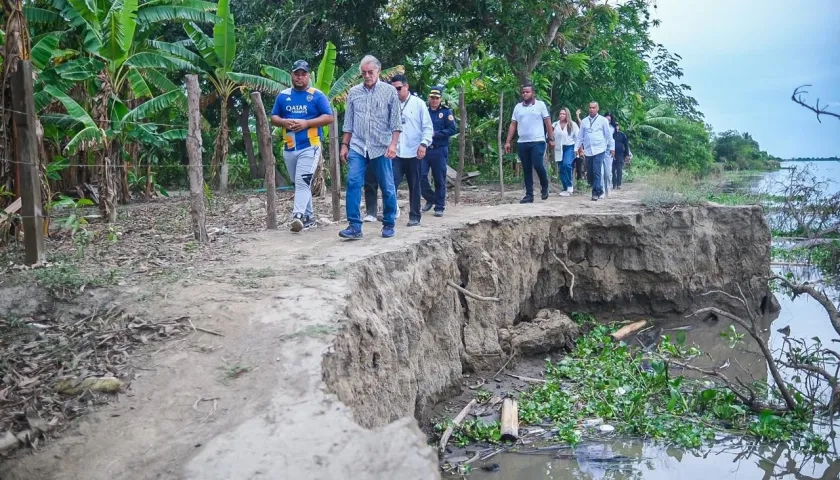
(630,459)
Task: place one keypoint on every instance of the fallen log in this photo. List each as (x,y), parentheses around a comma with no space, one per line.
(455,422)
(628,330)
(510,420)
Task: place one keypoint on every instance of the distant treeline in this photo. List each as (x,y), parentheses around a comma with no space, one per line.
(814,159)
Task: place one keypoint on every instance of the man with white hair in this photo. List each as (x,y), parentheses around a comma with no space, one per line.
(372,127)
(595,139)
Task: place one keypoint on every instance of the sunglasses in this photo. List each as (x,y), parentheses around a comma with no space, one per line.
(399,88)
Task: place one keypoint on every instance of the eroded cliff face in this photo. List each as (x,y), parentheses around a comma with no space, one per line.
(410,336)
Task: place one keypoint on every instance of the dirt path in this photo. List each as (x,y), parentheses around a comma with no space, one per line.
(251,403)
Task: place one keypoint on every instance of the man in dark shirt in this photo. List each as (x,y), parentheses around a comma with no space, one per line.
(622,150)
(437,156)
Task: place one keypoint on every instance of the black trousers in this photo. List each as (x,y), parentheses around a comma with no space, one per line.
(618,172)
(409,168)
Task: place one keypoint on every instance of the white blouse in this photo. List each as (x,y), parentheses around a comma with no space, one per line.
(562,137)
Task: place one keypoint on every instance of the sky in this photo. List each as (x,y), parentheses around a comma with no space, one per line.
(743,58)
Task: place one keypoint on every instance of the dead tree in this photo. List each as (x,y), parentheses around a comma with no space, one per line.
(797,98)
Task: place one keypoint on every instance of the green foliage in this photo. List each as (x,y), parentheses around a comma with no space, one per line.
(741,152)
(637,394)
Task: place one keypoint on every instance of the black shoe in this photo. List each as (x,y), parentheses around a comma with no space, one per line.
(413,223)
(618,187)
(297,223)
(527,199)
(438,213)
(428,206)
(309,222)
(544,195)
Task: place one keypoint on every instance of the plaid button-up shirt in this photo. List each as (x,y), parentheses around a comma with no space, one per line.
(372,116)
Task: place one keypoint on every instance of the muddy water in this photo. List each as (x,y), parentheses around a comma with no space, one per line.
(729,458)
(732,458)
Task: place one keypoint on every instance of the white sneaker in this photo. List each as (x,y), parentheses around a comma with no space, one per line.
(369,218)
(564,193)
(398,213)
(601,196)
(571,190)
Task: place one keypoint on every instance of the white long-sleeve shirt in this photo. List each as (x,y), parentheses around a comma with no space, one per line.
(595,136)
(562,137)
(416,127)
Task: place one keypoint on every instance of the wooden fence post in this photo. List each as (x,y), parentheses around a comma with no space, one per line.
(196,172)
(335,173)
(267,154)
(23,107)
(501,146)
(462,144)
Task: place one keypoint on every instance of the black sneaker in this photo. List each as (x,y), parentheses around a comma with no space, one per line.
(413,223)
(438,213)
(309,222)
(428,206)
(527,199)
(297,223)
(544,195)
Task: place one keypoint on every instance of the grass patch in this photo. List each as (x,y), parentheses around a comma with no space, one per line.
(69,277)
(233,371)
(317,330)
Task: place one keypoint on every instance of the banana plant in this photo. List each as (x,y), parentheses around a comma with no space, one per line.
(115,71)
(217,55)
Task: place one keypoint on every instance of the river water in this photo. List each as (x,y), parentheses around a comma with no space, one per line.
(734,458)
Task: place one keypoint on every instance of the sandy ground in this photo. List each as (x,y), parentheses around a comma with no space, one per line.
(251,403)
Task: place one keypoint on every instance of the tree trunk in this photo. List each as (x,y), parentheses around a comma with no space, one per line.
(267,154)
(15,45)
(148,180)
(194,151)
(500,144)
(462,144)
(335,173)
(220,149)
(109,184)
(257,170)
(319,185)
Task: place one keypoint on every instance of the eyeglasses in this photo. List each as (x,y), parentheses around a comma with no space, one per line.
(399,88)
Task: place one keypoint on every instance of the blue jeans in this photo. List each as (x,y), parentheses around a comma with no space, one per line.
(357,166)
(594,164)
(435,160)
(531,155)
(565,166)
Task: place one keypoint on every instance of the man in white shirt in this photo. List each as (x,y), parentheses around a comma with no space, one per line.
(416,136)
(532,122)
(595,139)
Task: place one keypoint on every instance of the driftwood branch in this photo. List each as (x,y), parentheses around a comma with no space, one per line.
(455,422)
(820,297)
(743,392)
(628,330)
(797,98)
(471,294)
(525,379)
(752,329)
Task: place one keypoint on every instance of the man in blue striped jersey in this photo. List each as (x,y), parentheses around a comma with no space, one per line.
(301,111)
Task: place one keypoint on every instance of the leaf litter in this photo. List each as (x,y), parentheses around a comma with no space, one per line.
(54,368)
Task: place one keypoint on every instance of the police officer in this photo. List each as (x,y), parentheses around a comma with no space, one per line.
(437,155)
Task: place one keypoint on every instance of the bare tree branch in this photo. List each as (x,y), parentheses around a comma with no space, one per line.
(797,97)
(820,297)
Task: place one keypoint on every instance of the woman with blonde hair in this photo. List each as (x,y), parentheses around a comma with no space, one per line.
(565,136)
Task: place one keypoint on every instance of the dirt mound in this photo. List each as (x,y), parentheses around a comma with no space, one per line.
(549,330)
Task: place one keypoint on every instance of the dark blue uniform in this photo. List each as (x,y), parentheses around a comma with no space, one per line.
(437,156)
